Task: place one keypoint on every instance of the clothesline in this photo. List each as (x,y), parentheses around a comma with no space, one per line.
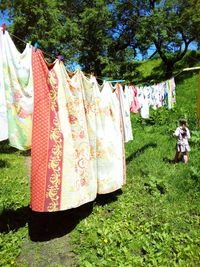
(31,45)
(100,78)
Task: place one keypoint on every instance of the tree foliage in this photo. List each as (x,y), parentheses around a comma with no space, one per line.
(169,25)
(104,36)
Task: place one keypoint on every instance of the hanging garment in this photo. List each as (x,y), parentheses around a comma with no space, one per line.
(140,96)
(173,89)
(109,140)
(134,104)
(3,107)
(144,110)
(171,93)
(17,91)
(161,92)
(156,96)
(62,173)
(130,95)
(163,88)
(128,135)
(89,100)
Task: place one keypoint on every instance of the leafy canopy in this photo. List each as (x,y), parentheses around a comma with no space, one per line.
(105,36)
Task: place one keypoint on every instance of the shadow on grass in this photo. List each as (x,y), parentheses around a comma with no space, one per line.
(4,164)
(138,152)
(12,220)
(102,200)
(44,226)
(5,148)
(26,153)
(172,161)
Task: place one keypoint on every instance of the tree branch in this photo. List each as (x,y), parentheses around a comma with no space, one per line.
(154,53)
(152,4)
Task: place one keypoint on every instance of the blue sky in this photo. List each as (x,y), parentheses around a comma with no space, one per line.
(192,46)
(3,18)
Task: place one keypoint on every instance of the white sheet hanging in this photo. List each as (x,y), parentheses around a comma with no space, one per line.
(125,107)
(17,87)
(3,107)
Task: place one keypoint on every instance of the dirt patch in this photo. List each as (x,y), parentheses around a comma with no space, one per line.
(53,253)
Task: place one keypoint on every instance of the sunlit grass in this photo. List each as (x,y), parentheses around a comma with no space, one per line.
(153,222)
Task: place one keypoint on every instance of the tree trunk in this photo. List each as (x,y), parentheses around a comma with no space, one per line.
(168,69)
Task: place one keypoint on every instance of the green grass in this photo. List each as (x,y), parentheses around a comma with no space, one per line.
(153,222)
(14,195)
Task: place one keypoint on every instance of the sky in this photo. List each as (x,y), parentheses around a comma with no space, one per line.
(192,46)
(3,19)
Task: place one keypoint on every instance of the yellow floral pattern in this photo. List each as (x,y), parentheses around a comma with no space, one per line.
(55,158)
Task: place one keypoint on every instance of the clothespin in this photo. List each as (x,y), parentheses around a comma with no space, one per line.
(36,46)
(29,43)
(59,58)
(3,27)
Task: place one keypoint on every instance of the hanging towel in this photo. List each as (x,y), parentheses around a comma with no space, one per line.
(134,104)
(16,90)
(125,109)
(62,174)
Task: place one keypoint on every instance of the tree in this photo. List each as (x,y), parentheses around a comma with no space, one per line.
(169,25)
(104,36)
(78,30)
(43,22)
(94,24)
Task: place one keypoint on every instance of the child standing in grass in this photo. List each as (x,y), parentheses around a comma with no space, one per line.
(182,134)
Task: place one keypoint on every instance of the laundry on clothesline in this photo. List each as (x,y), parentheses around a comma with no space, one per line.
(75,127)
(72,125)
(154,96)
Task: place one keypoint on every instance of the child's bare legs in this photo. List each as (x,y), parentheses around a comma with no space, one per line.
(176,156)
(185,157)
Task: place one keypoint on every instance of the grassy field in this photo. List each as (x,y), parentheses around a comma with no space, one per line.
(153,221)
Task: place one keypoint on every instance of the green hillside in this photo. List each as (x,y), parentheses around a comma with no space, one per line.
(152,70)
(154,221)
